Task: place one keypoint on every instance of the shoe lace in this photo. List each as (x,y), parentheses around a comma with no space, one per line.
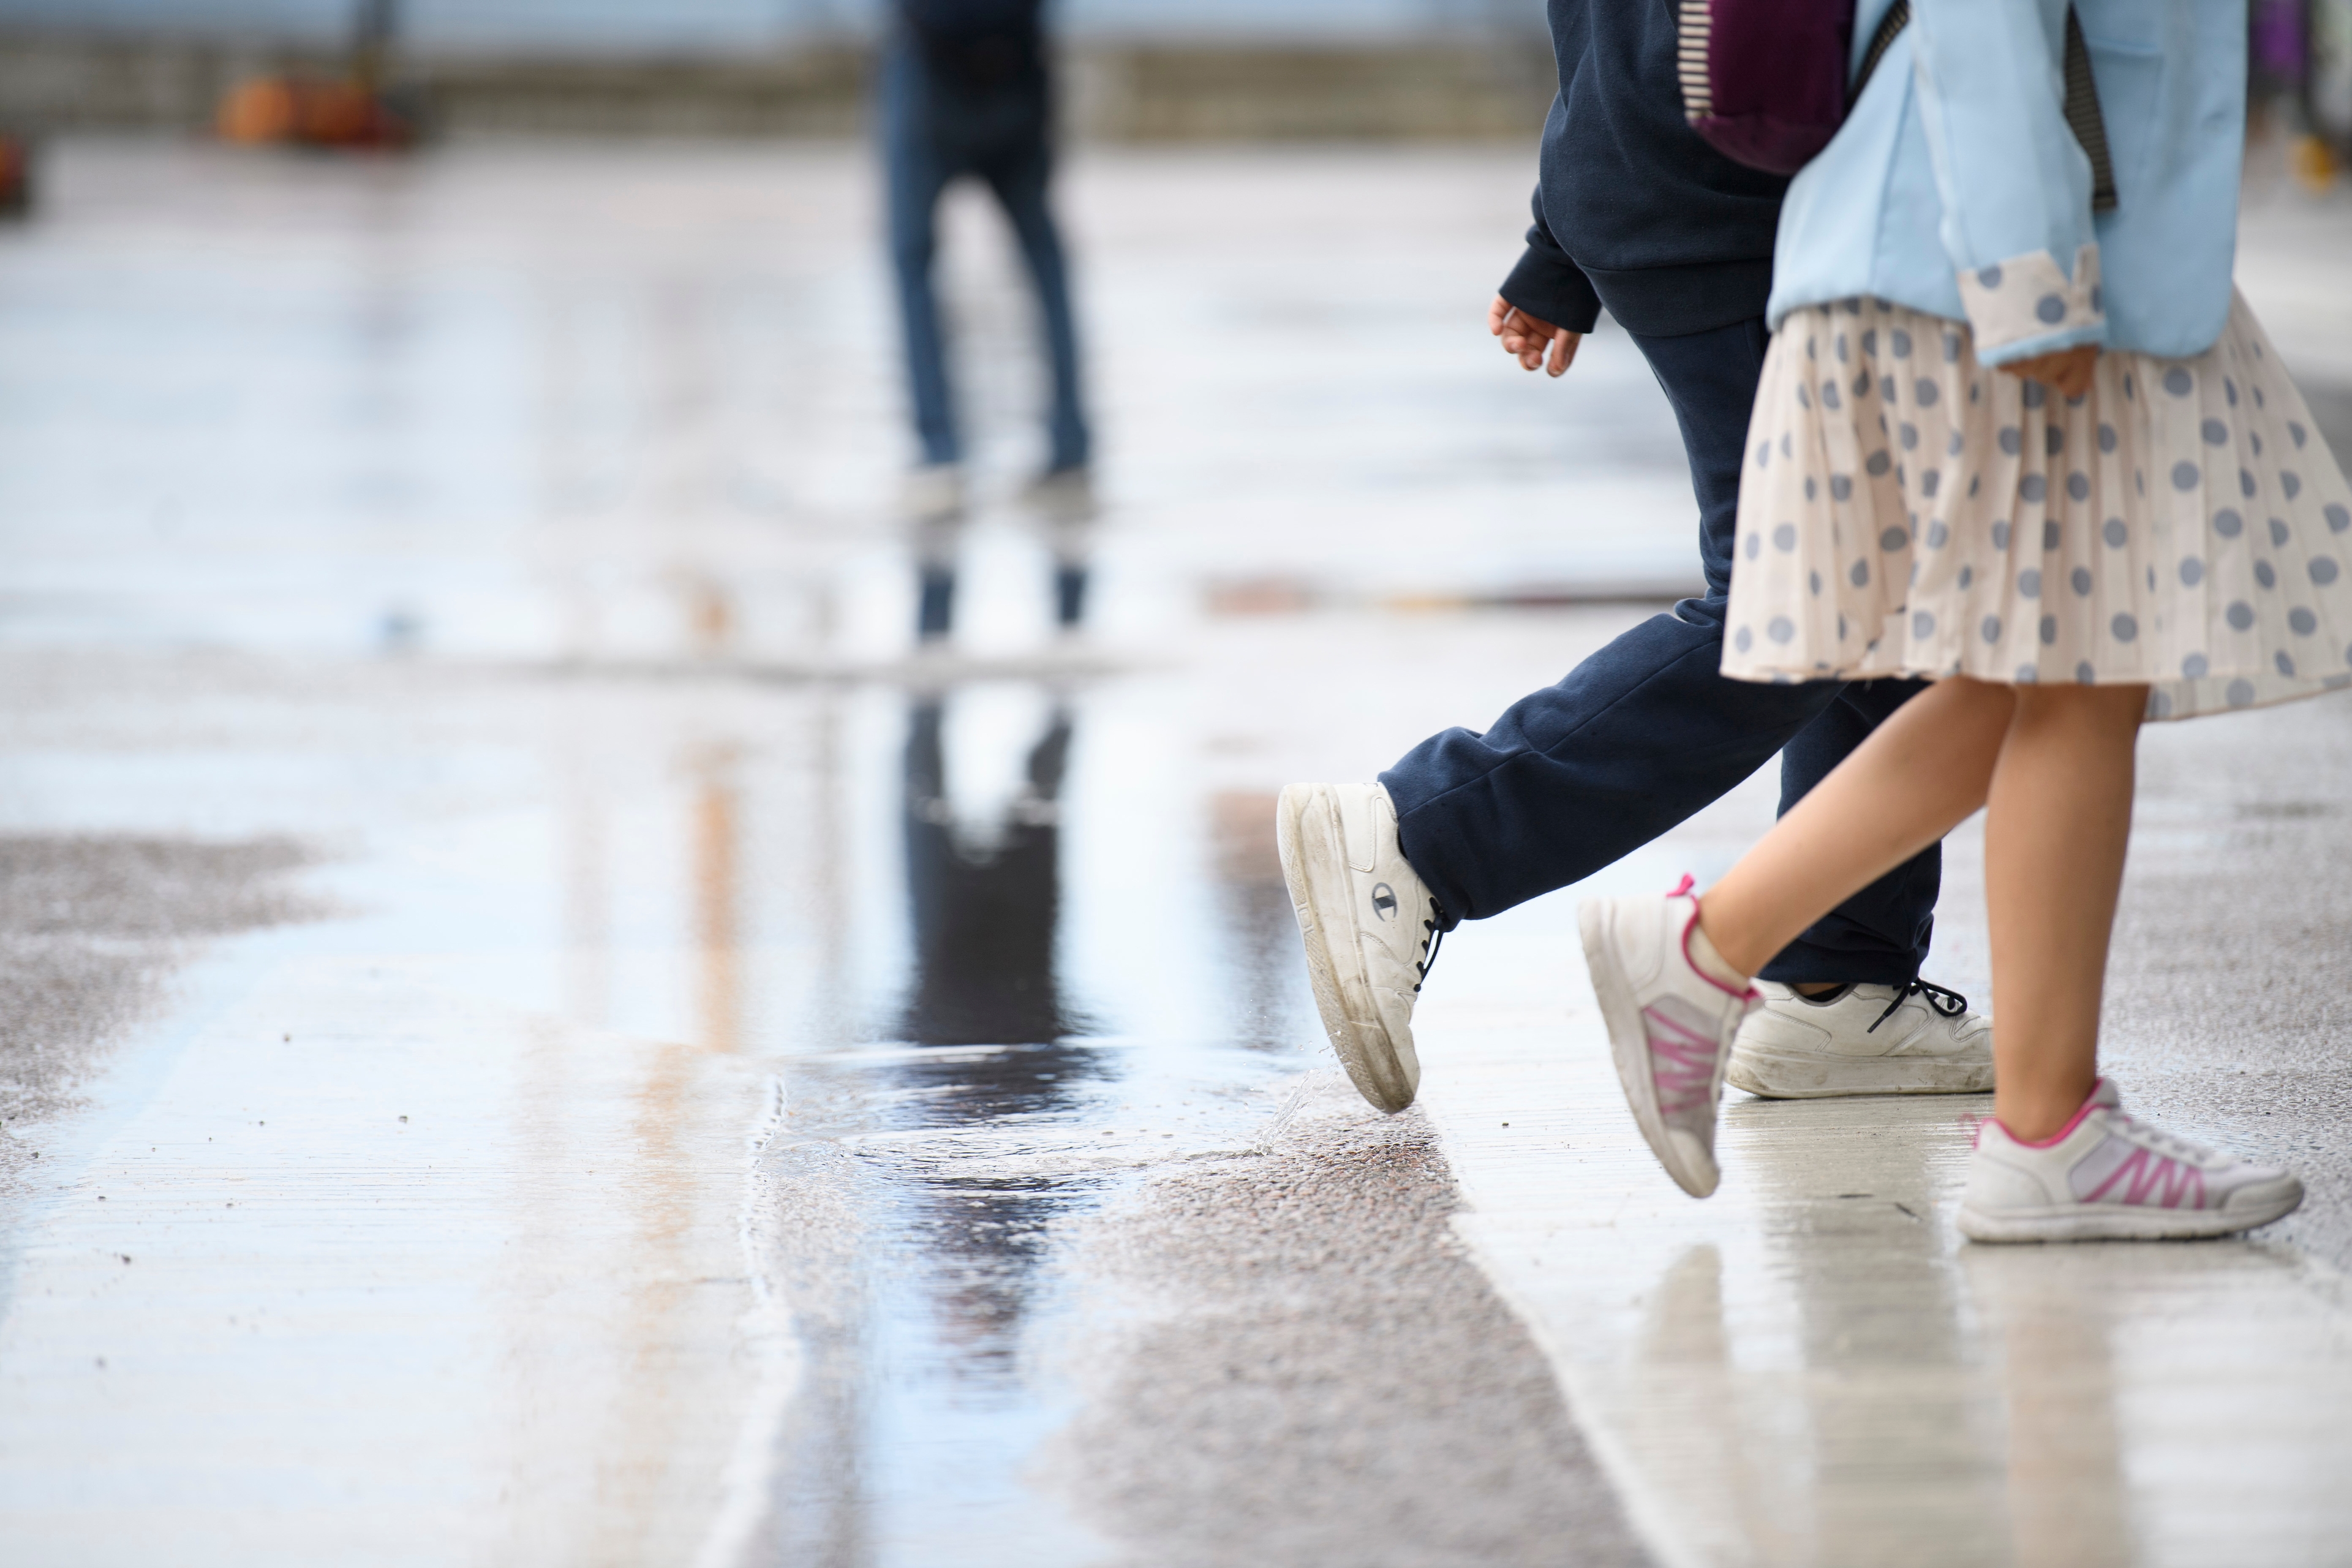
(2165,1143)
(1433,937)
(1943,1001)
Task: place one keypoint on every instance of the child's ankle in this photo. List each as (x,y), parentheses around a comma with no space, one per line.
(2037,1119)
(1710,963)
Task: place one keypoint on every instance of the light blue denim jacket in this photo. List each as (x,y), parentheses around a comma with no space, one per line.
(1955,187)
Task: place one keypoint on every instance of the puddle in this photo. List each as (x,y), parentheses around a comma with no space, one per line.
(928,1182)
(1075,1284)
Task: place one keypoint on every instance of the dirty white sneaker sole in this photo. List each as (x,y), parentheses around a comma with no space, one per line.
(1778,1074)
(2120,1222)
(1361,910)
(1793,1048)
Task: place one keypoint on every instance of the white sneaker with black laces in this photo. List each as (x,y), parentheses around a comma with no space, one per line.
(1866,1039)
(2108,1176)
(1367,919)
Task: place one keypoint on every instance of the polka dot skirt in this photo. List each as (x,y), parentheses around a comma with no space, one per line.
(1906,511)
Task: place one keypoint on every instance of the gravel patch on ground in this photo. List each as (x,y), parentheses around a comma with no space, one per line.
(92,929)
(1299,1361)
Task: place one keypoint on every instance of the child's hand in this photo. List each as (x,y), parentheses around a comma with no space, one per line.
(1530,340)
(2068,370)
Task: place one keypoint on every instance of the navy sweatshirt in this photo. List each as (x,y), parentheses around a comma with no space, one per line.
(1633,210)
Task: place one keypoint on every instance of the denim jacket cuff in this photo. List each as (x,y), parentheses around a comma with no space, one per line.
(2027,306)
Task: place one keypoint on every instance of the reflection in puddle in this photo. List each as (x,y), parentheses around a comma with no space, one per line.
(929,1178)
(984,900)
(1900,1447)
(2176,1403)
(716,904)
(1261,928)
(1865,1389)
(1827,1399)
(985,903)
(1694,1408)
(2065,1477)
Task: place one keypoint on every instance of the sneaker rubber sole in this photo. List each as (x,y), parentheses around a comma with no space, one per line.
(1307,815)
(1629,1049)
(1788,1075)
(2134,1222)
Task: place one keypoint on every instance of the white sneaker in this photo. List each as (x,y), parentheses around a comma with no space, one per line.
(932,493)
(1670,1026)
(1367,919)
(1866,1039)
(1062,496)
(2106,1177)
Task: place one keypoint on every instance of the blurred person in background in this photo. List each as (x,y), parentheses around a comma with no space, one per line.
(965,91)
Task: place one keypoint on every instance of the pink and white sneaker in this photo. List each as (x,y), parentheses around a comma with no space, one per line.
(2104,1176)
(1671,1024)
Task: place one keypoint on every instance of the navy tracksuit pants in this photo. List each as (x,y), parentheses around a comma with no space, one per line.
(1647,731)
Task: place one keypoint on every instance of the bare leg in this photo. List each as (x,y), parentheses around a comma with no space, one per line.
(1921,774)
(2055,828)
(2056,766)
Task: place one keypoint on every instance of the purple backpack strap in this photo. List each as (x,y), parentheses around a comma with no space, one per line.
(1764,81)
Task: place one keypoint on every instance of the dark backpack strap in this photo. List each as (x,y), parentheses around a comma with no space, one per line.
(2083,116)
(2082,113)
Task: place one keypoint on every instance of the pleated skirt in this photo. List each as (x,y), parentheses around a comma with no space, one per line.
(1907,511)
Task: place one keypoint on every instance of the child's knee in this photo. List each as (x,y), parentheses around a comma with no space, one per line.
(2118,707)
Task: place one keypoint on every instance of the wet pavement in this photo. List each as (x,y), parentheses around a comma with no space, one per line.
(544,1027)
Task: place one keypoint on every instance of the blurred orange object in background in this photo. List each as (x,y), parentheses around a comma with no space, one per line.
(310,112)
(16,177)
(258,111)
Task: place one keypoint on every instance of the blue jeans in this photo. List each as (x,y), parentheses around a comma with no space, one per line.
(1647,731)
(934,132)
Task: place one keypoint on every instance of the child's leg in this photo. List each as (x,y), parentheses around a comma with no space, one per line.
(2054,837)
(1671,1028)
(1920,775)
(2056,827)
(2054,764)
